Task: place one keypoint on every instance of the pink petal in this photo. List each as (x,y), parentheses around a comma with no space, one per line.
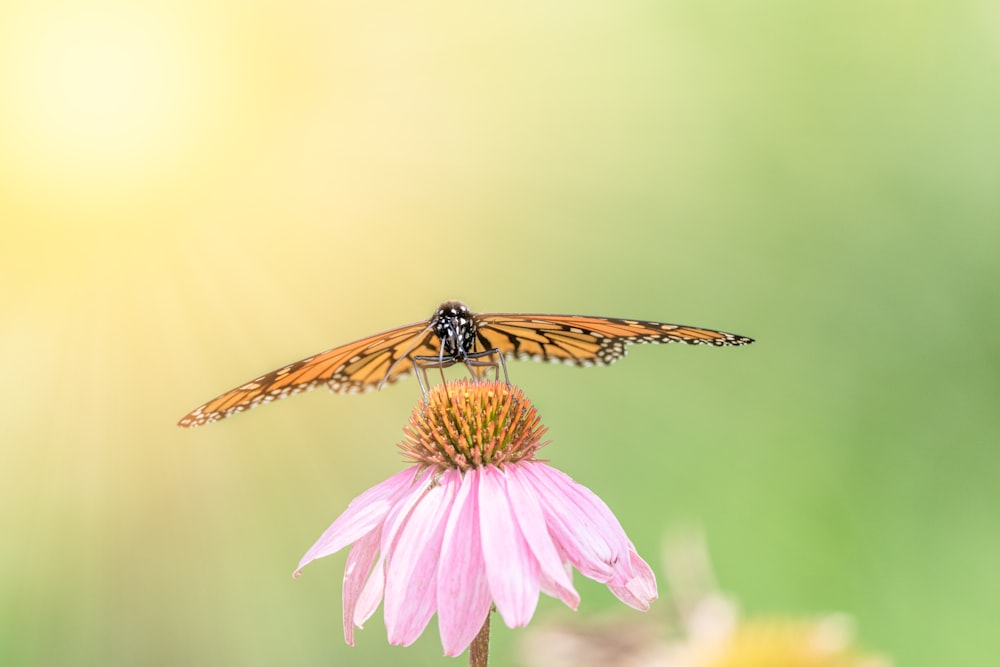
(604,519)
(371,594)
(531,520)
(463,594)
(511,569)
(359,566)
(363,515)
(635,585)
(398,514)
(553,590)
(411,566)
(580,522)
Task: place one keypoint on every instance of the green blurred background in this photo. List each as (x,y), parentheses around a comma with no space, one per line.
(192,195)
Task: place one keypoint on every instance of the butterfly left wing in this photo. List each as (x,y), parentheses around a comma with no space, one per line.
(348,369)
(582,340)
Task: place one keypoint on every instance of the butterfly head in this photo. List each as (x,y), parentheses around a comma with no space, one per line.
(455,326)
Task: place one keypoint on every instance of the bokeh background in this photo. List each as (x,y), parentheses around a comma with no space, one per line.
(192,194)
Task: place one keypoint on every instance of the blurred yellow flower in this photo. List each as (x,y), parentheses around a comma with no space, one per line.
(785,642)
(705,631)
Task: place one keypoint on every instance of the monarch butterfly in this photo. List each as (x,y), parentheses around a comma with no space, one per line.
(454,335)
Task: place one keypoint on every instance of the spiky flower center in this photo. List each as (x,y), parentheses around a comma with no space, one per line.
(471,423)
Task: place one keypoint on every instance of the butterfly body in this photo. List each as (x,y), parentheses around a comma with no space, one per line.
(453,335)
(455,327)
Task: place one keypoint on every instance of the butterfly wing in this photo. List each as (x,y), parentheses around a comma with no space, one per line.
(348,369)
(582,340)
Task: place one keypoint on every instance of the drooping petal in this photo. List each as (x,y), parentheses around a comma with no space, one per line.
(554,590)
(356,572)
(371,594)
(635,585)
(531,520)
(511,568)
(463,593)
(398,514)
(411,565)
(578,521)
(363,514)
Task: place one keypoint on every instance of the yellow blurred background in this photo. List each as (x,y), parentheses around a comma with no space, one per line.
(193,194)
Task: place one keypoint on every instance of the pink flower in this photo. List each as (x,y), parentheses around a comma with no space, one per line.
(477,522)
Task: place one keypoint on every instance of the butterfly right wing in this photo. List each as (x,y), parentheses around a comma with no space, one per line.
(584,340)
(348,369)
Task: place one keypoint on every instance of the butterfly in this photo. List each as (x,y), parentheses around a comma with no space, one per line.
(453,335)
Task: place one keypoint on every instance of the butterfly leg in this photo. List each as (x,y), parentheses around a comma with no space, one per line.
(473,361)
(421,374)
(423,363)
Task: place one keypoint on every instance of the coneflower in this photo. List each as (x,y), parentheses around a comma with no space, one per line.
(476,522)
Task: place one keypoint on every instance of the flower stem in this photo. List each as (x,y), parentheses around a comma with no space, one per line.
(479,650)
